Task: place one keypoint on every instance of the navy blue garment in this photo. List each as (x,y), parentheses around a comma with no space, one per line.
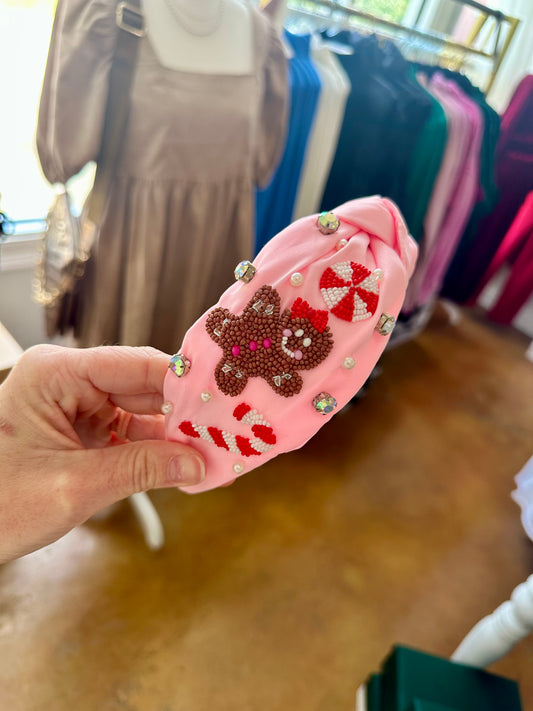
(275,204)
(384,114)
(365,138)
(413,111)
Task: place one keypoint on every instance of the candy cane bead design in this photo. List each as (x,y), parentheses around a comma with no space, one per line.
(262,442)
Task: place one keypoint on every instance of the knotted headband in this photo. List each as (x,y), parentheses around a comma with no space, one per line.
(292,341)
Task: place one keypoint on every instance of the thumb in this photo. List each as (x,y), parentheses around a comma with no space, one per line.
(107,475)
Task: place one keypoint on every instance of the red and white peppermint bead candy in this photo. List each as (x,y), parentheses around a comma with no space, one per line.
(350,290)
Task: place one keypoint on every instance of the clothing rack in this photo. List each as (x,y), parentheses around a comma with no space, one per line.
(496,55)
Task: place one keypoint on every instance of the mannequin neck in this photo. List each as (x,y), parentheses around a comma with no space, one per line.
(198,15)
(201,36)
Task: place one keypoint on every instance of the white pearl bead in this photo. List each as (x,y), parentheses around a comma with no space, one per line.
(378,274)
(206,396)
(348,363)
(297,279)
(342,243)
(238,468)
(166,408)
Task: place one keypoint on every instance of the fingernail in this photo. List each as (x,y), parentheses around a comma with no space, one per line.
(186,470)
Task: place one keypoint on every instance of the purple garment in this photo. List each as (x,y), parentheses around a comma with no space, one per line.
(464,197)
(448,209)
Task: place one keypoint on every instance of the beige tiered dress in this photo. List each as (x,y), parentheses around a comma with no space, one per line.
(180,214)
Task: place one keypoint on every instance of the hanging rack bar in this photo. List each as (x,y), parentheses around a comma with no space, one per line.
(487,11)
(440,39)
(497,55)
(482,8)
(498,59)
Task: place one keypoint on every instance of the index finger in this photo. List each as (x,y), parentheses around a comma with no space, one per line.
(124,370)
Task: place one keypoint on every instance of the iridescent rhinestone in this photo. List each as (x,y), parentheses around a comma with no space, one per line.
(385,324)
(166,408)
(348,363)
(378,274)
(328,222)
(205,396)
(245,271)
(180,365)
(341,243)
(297,279)
(238,468)
(324,403)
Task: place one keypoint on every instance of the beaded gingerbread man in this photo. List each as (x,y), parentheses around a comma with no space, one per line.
(261,343)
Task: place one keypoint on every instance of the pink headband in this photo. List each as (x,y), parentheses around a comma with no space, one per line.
(292,341)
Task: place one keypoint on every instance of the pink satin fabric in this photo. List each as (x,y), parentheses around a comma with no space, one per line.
(376,237)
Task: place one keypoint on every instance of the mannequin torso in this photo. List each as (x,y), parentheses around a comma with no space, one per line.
(201,36)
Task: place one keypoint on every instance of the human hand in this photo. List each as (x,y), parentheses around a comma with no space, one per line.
(79,430)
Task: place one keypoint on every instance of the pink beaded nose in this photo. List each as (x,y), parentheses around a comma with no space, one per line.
(253,346)
(267,343)
(236,350)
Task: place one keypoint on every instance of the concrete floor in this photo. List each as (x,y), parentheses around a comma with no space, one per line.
(394,524)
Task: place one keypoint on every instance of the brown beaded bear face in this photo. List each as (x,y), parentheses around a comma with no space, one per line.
(263,344)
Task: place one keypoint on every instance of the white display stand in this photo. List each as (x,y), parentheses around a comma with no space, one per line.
(148,519)
(495,635)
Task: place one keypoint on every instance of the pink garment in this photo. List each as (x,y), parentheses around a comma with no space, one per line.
(442,199)
(516,249)
(304,325)
(463,199)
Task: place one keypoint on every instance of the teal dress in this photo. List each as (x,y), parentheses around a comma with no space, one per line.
(424,167)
